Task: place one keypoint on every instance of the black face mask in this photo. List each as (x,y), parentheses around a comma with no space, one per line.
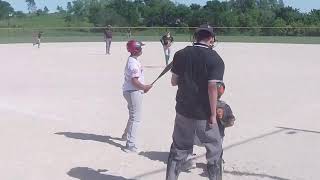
(214,43)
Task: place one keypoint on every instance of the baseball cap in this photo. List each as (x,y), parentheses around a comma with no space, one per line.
(206,27)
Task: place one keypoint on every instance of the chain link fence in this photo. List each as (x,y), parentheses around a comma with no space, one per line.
(310,35)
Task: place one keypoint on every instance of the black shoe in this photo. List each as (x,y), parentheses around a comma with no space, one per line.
(214,172)
(131,150)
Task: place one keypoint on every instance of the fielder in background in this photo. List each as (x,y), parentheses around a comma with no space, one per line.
(37,38)
(108,38)
(196,71)
(166,42)
(133,90)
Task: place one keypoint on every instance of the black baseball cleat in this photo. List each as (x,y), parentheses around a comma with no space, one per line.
(214,172)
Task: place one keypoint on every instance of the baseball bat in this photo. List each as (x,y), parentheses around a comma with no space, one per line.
(165,70)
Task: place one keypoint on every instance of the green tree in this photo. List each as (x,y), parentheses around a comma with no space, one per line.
(45,10)
(159,13)
(31,6)
(5,9)
(69,7)
(281,3)
(289,14)
(182,15)
(127,10)
(39,12)
(195,7)
(243,13)
(279,23)
(19,14)
(61,10)
(313,18)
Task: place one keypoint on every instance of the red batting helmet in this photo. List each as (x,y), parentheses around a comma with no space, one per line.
(134,46)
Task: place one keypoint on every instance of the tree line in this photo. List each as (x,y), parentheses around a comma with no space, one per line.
(232,13)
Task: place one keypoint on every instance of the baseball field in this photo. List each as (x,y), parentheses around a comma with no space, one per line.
(62,113)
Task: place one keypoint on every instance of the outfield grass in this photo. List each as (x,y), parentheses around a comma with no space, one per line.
(90,38)
(87,35)
(49,24)
(271,39)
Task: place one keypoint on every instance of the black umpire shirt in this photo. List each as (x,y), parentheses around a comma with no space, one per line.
(195,66)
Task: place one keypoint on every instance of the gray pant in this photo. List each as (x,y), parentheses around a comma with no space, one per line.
(183,140)
(108,45)
(134,99)
(167,53)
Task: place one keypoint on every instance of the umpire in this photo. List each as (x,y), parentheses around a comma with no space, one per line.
(196,70)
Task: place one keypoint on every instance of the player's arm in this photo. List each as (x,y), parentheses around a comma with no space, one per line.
(135,72)
(139,85)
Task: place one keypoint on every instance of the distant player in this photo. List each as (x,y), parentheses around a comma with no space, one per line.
(108,38)
(129,33)
(37,38)
(166,42)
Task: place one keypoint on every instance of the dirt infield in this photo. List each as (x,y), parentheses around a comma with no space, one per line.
(62,112)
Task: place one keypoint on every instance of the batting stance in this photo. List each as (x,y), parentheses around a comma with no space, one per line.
(133,89)
(166,42)
(196,70)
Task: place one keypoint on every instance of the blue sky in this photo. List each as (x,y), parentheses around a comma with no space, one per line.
(303,5)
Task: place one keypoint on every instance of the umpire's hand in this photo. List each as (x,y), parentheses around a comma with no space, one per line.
(212,121)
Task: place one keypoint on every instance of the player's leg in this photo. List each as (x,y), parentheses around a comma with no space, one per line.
(34,41)
(182,145)
(134,99)
(211,138)
(168,54)
(165,49)
(39,41)
(108,45)
(125,132)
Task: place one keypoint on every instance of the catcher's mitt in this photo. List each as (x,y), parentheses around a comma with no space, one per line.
(224,114)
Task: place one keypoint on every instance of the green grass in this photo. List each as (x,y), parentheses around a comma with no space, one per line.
(56,36)
(24,35)
(271,39)
(46,23)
